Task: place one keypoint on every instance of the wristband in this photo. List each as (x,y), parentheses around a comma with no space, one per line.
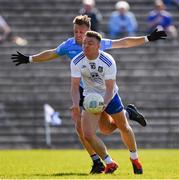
(146,39)
(30,59)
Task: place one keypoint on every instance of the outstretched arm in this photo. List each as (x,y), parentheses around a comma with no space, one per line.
(128,42)
(44,56)
(47,55)
(137,41)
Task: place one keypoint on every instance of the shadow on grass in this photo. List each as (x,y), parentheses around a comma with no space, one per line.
(63,174)
(25,175)
(70,174)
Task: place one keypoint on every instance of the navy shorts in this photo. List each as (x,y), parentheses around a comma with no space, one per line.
(115,105)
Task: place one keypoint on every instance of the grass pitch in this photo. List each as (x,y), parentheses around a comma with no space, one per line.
(75,164)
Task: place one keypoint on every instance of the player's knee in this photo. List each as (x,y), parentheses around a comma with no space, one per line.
(105,131)
(107,128)
(126,128)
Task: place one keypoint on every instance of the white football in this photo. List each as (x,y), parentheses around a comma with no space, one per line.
(93,103)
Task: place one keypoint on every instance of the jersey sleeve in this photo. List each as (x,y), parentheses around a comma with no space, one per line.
(75,70)
(111,71)
(61,49)
(106,44)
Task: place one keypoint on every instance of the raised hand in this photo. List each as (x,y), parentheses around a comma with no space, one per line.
(19,59)
(156,35)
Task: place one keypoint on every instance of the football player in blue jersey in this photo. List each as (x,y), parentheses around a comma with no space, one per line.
(72,47)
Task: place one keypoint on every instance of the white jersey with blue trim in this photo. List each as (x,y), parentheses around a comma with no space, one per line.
(71,48)
(94,72)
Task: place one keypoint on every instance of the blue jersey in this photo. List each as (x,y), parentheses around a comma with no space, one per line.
(70,48)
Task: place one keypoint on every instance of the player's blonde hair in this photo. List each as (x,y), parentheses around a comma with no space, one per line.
(82,20)
(94,34)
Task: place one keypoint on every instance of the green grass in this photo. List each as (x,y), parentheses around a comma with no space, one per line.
(75,164)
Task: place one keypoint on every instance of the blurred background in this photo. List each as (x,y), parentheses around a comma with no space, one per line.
(148,76)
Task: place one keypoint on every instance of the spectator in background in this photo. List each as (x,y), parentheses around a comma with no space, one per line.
(122,22)
(172,2)
(6,34)
(5,29)
(91,11)
(161,19)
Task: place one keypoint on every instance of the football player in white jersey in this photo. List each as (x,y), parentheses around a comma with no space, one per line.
(97,70)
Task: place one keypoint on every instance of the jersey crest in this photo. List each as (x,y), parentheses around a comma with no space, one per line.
(100,69)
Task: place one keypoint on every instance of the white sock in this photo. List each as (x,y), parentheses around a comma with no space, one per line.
(108,159)
(133,155)
(126,113)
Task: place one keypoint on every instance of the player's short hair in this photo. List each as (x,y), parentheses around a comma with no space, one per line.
(94,34)
(82,20)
